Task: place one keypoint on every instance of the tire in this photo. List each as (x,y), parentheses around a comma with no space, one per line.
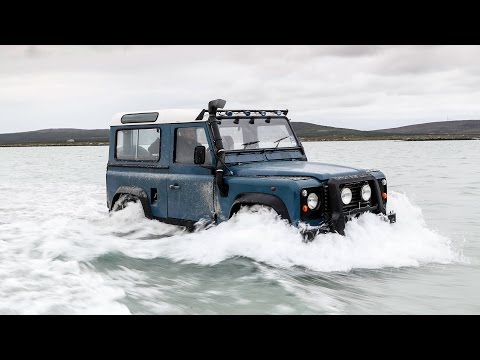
(252,208)
(123,201)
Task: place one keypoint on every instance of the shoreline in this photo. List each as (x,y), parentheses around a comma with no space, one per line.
(55,144)
(421,138)
(312,139)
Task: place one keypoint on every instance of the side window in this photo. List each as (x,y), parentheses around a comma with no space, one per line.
(138,145)
(186,139)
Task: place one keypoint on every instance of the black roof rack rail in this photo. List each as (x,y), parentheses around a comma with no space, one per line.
(284,111)
(244,113)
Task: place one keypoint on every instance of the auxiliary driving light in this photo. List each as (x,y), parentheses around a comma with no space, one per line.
(279,113)
(312,201)
(229,113)
(247,113)
(346,195)
(366,192)
(263,113)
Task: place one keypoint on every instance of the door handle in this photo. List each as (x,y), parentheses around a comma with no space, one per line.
(174,187)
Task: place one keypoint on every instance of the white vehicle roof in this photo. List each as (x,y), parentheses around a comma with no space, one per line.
(165,116)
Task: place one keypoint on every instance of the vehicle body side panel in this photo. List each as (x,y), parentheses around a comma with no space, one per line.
(286,190)
(149,176)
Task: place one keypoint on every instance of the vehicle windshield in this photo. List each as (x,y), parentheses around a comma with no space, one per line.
(258,133)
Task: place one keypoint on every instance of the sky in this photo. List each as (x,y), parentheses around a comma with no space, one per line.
(365,87)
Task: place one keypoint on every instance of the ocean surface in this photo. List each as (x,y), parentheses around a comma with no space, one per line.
(61,252)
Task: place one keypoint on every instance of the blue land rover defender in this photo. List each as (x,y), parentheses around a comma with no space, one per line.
(185,166)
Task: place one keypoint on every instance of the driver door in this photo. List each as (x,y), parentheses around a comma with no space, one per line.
(190,186)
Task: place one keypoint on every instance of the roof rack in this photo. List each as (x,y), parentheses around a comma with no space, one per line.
(227,114)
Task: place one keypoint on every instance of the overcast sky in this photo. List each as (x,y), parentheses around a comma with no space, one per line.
(354,86)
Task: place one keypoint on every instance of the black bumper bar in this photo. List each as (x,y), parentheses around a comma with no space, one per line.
(310,233)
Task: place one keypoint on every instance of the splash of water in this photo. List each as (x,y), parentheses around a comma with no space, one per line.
(45,263)
(370,243)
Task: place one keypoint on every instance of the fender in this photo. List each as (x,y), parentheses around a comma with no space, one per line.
(261,199)
(139,193)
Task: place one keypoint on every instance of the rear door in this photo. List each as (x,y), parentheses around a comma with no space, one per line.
(190,186)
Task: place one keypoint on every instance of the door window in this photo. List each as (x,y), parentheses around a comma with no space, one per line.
(186,139)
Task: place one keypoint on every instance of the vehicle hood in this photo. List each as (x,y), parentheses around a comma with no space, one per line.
(317,170)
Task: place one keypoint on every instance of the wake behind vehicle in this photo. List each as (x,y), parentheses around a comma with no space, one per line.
(188,165)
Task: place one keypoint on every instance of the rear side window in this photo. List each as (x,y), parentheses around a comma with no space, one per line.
(138,145)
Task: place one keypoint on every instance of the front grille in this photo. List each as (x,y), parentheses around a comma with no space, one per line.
(325,206)
(357,201)
(340,213)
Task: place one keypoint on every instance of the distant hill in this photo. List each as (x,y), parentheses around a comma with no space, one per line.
(305,130)
(457,127)
(55,136)
(444,130)
(302,129)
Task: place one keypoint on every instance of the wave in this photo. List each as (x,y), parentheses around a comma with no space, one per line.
(45,264)
(370,242)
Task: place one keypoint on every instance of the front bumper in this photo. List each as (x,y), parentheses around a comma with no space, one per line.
(309,233)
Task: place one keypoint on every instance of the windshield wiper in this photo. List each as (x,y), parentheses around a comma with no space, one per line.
(250,143)
(278,141)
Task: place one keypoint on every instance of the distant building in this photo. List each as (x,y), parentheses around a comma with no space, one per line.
(71,141)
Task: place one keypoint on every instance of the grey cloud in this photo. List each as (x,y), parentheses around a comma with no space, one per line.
(111,48)
(427,59)
(352,86)
(348,50)
(33,51)
(354,102)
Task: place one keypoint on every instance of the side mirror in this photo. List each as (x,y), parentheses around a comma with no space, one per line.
(199,155)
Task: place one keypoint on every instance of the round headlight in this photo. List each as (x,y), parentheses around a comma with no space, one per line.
(312,201)
(366,192)
(346,195)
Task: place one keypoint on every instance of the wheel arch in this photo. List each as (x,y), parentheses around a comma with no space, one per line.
(137,192)
(250,199)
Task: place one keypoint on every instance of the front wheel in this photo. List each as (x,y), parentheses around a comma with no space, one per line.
(123,201)
(254,208)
